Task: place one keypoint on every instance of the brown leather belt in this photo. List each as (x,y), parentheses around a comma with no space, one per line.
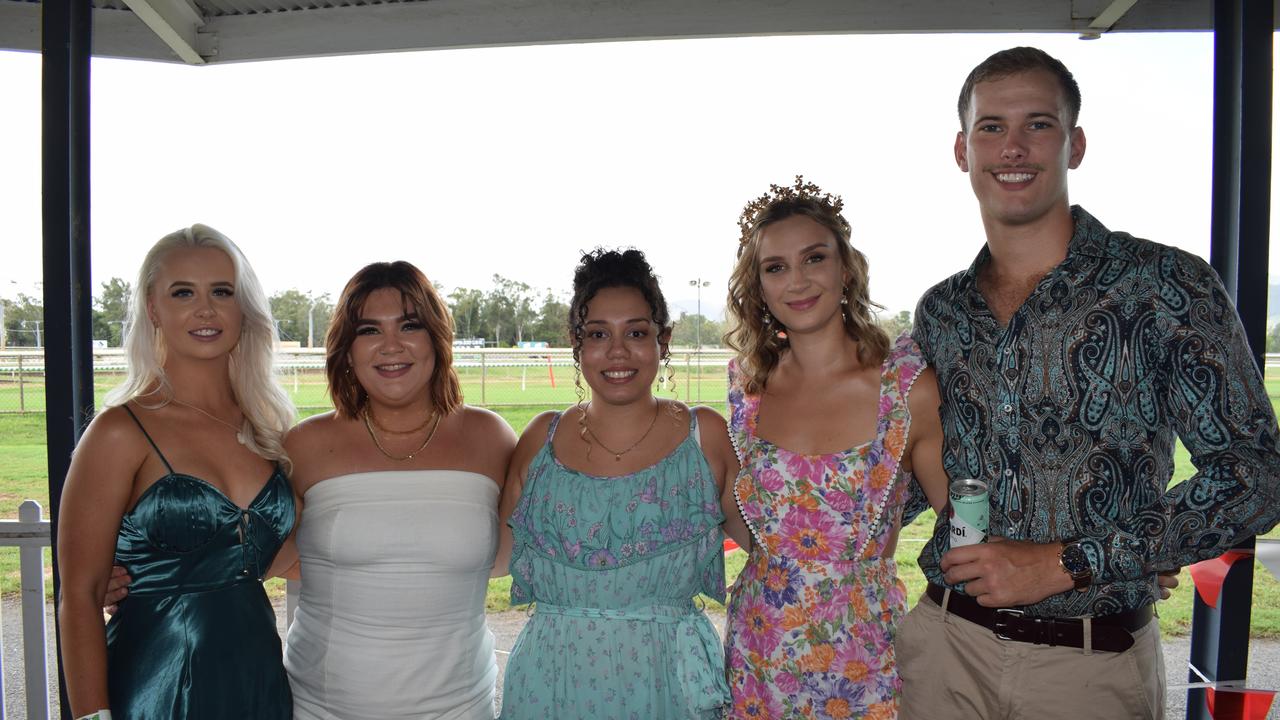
(1111,633)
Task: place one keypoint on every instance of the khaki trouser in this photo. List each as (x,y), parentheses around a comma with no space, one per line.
(952,668)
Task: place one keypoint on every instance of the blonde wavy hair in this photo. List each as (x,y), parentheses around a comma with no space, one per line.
(267,411)
(758,346)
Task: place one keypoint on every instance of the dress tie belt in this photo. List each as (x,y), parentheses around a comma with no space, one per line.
(700,672)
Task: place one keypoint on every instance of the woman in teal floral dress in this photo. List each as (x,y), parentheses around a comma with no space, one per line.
(830,423)
(615,512)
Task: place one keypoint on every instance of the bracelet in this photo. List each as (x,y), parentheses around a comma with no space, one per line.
(96,715)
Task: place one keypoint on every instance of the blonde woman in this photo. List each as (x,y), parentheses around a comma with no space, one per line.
(832,422)
(182,480)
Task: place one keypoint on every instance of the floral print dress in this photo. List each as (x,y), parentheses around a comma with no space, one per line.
(812,616)
(613,565)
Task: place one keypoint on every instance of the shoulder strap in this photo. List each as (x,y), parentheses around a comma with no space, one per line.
(551,428)
(147,435)
(693,427)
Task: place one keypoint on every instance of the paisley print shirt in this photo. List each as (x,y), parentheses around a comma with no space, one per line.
(1070,413)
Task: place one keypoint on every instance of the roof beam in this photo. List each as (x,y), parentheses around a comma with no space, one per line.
(177,23)
(1104,21)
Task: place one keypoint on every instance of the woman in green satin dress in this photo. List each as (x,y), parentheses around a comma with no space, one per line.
(182,480)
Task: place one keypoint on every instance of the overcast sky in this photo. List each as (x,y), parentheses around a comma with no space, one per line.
(511,160)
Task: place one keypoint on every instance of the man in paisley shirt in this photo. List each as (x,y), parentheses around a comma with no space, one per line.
(1069,359)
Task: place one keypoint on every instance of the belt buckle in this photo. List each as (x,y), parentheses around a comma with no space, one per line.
(1001,624)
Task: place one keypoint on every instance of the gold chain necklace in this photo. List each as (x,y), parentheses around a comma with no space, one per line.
(369,426)
(617,455)
(209,415)
(378,425)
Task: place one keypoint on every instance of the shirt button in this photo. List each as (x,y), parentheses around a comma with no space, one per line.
(1008,408)
(1008,472)
(1008,351)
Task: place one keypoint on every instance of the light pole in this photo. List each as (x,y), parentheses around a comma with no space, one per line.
(698,284)
(28,323)
(311,323)
(697,329)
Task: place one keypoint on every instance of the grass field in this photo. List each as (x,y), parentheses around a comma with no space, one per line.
(23,475)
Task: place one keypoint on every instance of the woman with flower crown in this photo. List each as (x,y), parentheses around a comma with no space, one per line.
(831,423)
(615,510)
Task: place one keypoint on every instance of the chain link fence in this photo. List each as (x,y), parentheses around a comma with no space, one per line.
(509,377)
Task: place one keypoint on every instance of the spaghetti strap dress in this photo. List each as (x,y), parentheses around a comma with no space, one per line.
(613,565)
(196,638)
(812,616)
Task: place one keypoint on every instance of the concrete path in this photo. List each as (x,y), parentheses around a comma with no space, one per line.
(1264,660)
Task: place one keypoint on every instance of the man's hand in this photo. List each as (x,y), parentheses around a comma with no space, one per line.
(117,589)
(1167,581)
(1007,573)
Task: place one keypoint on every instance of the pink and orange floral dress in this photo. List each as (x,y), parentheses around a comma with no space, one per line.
(812,616)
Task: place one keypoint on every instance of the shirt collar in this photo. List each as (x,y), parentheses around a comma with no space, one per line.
(1090,238)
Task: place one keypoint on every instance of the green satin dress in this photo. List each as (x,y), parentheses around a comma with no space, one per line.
(197,637)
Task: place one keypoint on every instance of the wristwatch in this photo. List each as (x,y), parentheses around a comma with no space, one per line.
(1074,561)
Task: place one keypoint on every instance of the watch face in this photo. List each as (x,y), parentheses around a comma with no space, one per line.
(1076,561)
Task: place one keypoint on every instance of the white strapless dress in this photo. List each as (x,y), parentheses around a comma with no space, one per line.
(390,619)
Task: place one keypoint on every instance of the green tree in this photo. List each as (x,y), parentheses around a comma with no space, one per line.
(1273,339)
(508,311)
(897,324)
(109,311)
(466,305)
(692,329)
(23,321)
(291,309)
(552,321)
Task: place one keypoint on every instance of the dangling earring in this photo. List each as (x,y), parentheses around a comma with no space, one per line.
(779,335)
(844,303)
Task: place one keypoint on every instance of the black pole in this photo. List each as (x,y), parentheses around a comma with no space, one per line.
(66,45)
(1239,248)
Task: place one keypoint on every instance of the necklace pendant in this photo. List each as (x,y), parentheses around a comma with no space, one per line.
(617,457)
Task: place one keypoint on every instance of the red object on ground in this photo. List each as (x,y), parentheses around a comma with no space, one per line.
(551,372)
(1209,574)
(730,545)
(1248,705)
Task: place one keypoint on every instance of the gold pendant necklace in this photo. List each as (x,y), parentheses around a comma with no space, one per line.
(374,436)
(211,416)
(617,455)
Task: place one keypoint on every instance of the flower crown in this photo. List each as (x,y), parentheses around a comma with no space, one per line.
(801,190)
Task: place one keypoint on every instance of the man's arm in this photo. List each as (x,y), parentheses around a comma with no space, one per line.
(1218,406)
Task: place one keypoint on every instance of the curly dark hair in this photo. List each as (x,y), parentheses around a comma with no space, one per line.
(600,269)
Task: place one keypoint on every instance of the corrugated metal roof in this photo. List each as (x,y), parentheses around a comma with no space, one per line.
(221,8)
(209,31)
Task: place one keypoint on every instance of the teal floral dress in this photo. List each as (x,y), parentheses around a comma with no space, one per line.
(613,565)
(812,616)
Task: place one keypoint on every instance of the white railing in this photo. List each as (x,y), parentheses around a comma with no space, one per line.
(30,534)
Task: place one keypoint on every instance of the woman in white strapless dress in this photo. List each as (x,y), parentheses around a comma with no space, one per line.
(398,535)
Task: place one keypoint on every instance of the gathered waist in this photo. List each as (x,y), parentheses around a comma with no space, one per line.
(658,613)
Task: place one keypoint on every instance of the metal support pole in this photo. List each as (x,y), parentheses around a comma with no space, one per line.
(66,47)
(1241,234)
(22,389)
